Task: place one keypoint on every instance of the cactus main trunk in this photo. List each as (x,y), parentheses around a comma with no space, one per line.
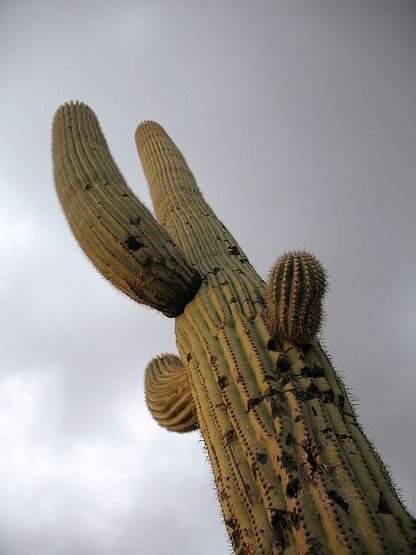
(294,470)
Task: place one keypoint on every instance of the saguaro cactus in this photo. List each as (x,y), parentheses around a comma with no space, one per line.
(294,470)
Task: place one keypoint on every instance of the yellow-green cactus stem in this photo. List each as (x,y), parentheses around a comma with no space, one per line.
(294,298)
(294,471)
(168,394)
(115,230)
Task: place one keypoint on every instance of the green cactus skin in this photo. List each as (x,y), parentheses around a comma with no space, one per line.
(293,469)
(295,291)
(115,230)
(169,395)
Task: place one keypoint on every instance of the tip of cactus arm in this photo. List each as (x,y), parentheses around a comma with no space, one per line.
(74,103)
(65,110)
(71,104)
(148,123)
(148,127)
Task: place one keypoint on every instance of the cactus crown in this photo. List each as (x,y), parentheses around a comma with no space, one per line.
(295,291)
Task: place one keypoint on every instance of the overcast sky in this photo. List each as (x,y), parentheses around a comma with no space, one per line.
(298,120)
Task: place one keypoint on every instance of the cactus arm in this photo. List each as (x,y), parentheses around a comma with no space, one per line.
(115,230)
(168,394)
(295,291)
(179,205)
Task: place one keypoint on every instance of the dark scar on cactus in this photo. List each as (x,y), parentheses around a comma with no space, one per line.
(288,462)
(332,494)
(282,364)
(382,506)
(229,437)
(290,440)
(280,524)
(222,382)
(293,488)
(253,402)
(261,458)
(272,344)
(133,244)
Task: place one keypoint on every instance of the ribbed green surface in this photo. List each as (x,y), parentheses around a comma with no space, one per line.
(179,206)
(275,419)
(294,471)
(284,442)
(115,230)
(168,394)
(295,291)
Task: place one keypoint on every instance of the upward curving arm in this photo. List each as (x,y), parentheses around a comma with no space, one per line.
(179,205)
(115,230)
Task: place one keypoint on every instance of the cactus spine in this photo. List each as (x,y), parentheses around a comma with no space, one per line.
(294,471)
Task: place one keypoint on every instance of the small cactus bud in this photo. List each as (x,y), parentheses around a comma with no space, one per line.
(168,394)
(295,290)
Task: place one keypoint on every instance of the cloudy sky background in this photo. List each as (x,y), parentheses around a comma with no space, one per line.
(298,120)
